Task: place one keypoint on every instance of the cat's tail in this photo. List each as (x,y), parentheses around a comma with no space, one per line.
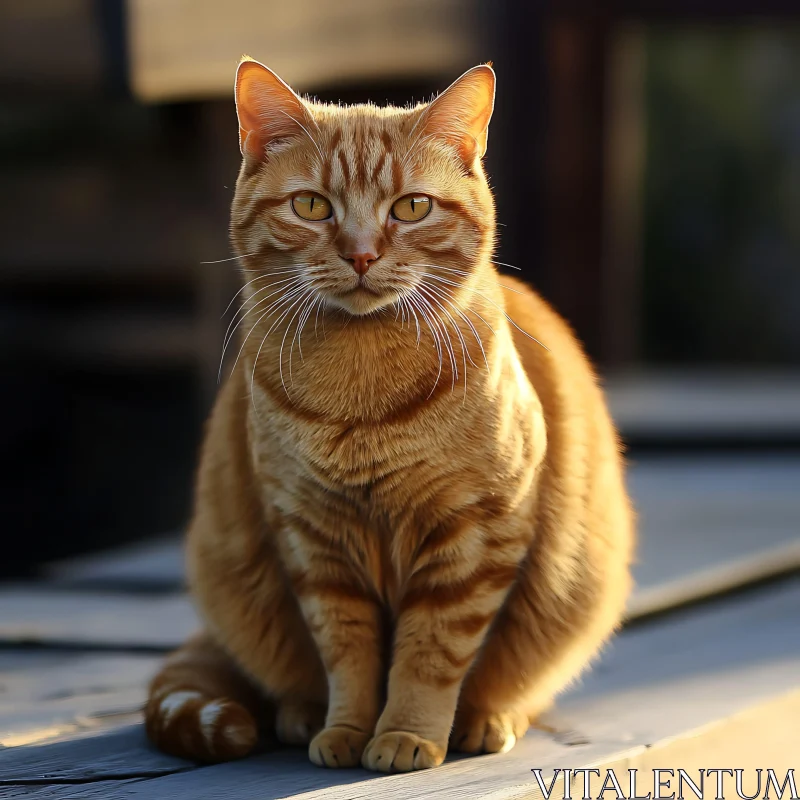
(200,707)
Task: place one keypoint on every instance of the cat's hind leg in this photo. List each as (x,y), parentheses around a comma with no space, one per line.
(202,708)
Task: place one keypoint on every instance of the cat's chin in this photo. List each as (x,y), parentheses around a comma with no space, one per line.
(361,301)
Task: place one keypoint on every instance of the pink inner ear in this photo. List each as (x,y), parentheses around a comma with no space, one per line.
(268,109)
(461,114)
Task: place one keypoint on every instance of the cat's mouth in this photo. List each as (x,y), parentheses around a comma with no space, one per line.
(361,288)
(361,298)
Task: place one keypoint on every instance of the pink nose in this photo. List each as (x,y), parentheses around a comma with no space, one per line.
(360,262)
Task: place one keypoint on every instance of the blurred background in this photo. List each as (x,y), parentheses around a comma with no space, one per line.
(646,162)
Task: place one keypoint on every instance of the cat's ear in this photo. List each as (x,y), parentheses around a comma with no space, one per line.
(461,114)
(267,108)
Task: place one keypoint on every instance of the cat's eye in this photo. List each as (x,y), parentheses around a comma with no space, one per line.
(412,207)
(311,206)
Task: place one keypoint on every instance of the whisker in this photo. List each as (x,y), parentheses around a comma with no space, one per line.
(234,324)
(510,266)
(298,334)
(442,295)
(293,271)
(413,298)
(273,307)
(488,300)
(316,318)
(232,258)
(448,343)
(272,327)
(413,150)
(465,274)
(228,307)
(305,130)
(301,303)
(410,310)
(464,351)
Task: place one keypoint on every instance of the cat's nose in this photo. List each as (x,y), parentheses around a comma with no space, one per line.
(360,262)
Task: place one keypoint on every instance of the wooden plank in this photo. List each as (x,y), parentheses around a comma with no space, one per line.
(47,695)
(115,755)
(653,684)
(701,513)
(81,791)
(715,580)
(32,615)
(764,735)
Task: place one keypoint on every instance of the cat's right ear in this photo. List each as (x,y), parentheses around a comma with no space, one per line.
(267,108)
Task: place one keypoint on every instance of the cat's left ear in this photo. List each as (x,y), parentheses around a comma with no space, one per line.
(461,114)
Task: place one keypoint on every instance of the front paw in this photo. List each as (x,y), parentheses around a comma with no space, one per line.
(338,746)
(401,751)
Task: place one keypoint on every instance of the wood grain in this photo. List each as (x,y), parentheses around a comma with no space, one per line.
(668,679)
(103,621)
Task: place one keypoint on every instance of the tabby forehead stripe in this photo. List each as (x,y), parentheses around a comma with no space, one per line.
(397,176)
(379,166)
(344,165)
(325,175)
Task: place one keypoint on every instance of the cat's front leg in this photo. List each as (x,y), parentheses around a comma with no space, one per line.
(450,601)
(345,621)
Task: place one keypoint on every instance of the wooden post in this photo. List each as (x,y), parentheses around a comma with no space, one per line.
(574,152)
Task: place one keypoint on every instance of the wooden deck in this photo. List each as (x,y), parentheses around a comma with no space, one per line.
(77,649)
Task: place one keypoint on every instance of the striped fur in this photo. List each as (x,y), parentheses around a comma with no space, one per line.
(411,528)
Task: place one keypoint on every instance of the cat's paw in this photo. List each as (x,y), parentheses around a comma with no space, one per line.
(401,751)
(487,732)
(298,721)
(338,746)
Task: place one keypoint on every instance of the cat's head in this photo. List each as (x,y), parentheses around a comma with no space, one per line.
(361,206)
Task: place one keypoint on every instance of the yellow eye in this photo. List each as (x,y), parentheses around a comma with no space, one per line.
(412,207)
(311,206)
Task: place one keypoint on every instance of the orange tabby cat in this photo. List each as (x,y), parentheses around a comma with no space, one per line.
(411,528)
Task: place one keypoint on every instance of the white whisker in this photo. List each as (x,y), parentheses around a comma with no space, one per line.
(234,324)
(232,258)
(442,295)
(307,308)
(488,300)
(273,307)
(228,307)
(414,298)
(464,352)
(465,274)
(448,343)
(300,302)
(305,130)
